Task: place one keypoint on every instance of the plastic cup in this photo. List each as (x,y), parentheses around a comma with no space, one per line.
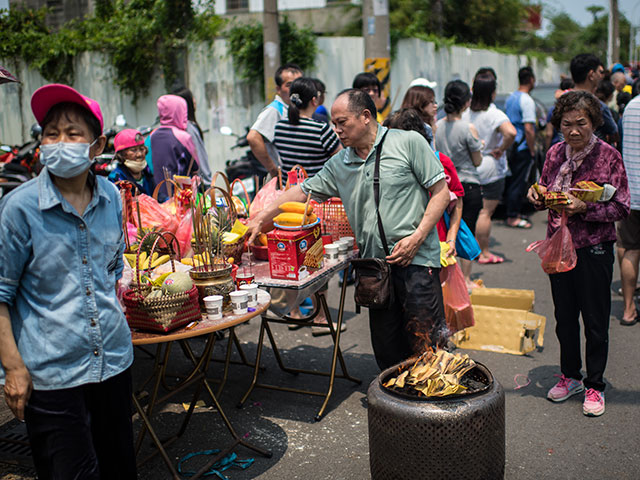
(331,254)
(213,305)
(252,293)
(239,302)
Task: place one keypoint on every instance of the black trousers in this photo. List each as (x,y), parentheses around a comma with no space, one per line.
(414,321)
(516,186)
(83,432)
(585,290)
(471,204)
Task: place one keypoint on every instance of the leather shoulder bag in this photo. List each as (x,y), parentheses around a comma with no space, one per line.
(373,288)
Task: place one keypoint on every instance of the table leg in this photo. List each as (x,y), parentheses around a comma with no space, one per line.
(159,367)
(155,438)
(256,369)
(337,353)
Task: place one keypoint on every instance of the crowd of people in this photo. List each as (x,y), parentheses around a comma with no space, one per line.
(407,182)
(468,160)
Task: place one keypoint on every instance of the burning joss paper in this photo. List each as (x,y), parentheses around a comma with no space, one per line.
(434,374)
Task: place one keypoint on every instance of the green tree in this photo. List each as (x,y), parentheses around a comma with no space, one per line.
(297,45)
(488,22)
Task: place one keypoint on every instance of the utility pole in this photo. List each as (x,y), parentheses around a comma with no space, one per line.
(377,47)
(613,40)
(270,46)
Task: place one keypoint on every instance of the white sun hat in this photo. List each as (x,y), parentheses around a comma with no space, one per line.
(423,82)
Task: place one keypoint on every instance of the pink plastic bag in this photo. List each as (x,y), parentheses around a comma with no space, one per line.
(154,215)
(557,253)
(267,195)
(457,303)
(183,234)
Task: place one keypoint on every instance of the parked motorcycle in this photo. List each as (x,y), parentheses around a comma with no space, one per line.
(20,163)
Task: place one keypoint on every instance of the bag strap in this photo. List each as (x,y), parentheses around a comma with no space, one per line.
(376,192)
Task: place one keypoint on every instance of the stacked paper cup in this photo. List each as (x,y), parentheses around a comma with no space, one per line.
(213,304)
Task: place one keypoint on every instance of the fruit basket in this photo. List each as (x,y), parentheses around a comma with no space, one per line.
(145,310)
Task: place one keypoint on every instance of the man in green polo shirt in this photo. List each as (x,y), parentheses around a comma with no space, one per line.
(413,197)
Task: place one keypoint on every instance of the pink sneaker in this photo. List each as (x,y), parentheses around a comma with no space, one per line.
(593,405)
(565,388)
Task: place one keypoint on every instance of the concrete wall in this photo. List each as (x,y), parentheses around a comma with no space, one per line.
(224,99)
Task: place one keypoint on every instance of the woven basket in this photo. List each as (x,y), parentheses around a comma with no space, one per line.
(237,248)
(334,219)
(160,314)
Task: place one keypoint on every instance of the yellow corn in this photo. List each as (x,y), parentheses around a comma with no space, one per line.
(295,207)
(289,219)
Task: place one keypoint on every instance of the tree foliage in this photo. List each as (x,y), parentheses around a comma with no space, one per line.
(297,45)
(138,37)
(498,24)
(486,22)
(566,38)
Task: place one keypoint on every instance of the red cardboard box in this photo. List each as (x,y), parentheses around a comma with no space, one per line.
(287,252)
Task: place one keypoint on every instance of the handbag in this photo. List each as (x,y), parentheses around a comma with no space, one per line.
(373,288)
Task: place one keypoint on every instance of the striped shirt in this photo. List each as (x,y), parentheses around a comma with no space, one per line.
(310,144)
(631,149)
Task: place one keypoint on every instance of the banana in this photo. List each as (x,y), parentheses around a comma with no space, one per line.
(159,260)
(295,207)
(143,259)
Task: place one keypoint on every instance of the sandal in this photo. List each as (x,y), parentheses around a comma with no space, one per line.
(520,223)
(628,323)
(491,259)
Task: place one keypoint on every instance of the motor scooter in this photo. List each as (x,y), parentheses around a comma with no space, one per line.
(20,163)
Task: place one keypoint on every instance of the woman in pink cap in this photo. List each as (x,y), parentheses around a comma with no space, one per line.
(132,166)
(65,346)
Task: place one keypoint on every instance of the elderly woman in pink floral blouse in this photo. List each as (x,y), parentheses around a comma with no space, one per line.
(585,289)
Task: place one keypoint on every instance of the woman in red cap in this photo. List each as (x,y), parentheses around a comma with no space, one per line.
(132,166)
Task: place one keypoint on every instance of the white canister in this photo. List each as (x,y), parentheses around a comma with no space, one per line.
(239,302)
(343,250)
(348,241)
(213,304)
(252,293)
(331,254)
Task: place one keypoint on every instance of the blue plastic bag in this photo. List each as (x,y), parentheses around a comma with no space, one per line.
(466,244)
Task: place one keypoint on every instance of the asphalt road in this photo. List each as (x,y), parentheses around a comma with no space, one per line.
(543,440)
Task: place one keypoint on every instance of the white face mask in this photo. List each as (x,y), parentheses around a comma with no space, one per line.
(135,166)
(66,160)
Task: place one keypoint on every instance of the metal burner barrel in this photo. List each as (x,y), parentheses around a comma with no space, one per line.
(459,437)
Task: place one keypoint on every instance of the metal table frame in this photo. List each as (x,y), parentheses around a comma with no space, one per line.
(313,284)
(197,377)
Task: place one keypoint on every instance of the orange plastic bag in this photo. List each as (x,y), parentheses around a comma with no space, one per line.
(153,215)
(557,253)
(457,303)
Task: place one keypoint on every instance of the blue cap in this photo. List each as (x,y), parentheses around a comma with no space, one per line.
(617,68)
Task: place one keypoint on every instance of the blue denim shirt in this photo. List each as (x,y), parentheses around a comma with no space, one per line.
(58,272)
